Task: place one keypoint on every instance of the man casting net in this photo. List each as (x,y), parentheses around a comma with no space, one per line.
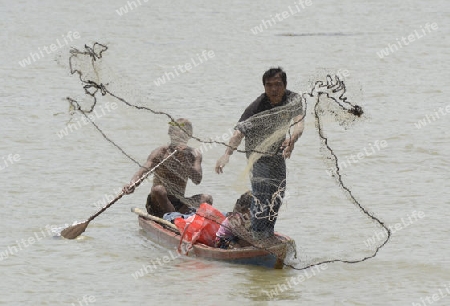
(270,128)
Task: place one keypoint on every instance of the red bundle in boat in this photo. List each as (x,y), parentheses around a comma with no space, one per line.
(201,227)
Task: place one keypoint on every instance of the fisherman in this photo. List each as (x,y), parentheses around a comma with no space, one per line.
(266,125)
(170,178)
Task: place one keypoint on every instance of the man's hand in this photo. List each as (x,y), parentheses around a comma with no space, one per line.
(221,162)
(128,189)
(287,147)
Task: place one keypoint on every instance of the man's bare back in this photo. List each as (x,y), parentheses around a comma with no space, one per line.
(174,173)
(170,178)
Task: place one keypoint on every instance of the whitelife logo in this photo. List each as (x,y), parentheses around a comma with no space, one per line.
(184,68)
(265,24)
(35,56)
(405,41)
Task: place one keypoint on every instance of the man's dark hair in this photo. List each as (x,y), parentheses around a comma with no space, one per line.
(272,72)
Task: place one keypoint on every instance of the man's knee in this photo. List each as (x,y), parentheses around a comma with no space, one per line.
(159,191)
(207,198)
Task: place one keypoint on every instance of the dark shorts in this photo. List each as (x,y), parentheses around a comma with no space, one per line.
(268,184)
(155,210)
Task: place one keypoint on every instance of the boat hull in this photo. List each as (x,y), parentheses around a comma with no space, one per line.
(272,257)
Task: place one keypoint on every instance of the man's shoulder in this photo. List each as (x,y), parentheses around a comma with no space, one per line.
(290,92)
(294,103)
(193,151)
(290,95)
(252,108)
(257,102)
(159,150)
(293,99)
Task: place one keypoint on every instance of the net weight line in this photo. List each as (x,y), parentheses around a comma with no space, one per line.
(91,88)
(357,111)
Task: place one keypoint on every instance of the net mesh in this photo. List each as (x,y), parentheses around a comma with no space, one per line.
(267,133)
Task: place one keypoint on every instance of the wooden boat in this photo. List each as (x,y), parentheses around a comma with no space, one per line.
(166,234)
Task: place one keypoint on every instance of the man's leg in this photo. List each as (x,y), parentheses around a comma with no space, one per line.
(158,203)
(268,184)
(198,199)
(261,195)
(278,183)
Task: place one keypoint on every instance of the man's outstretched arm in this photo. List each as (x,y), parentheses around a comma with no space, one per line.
(196,170)
(149,164)
(289,143)
(234,142)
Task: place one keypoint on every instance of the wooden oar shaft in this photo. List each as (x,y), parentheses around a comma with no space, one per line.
(76,230)
(146,215)
(135,184)
(106,207)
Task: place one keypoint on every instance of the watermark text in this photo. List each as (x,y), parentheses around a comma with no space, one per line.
(9,160)
(432,117)
(265,24)
(355,158)
(158,262)
(405,41)
(440,294)
(405,222)
(177,70)
(35,56)
(85,301)
(82,121)
(294,281)
(131,5)
(47,231)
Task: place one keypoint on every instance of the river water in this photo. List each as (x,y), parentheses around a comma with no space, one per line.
(51,179)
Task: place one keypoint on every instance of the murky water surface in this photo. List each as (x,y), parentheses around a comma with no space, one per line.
(395,59)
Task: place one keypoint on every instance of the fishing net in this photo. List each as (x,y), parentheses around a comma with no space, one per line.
(251,224)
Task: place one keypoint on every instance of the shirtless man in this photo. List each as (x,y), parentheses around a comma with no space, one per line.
(170,178)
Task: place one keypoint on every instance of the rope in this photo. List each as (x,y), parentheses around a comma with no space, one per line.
(91,89)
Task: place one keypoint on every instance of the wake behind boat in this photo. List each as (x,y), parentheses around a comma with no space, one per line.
(167,234)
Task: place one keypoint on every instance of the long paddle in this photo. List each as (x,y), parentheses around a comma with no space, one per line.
(76,230)
(163,222)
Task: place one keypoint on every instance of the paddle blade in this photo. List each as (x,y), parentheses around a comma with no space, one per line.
(74,231)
